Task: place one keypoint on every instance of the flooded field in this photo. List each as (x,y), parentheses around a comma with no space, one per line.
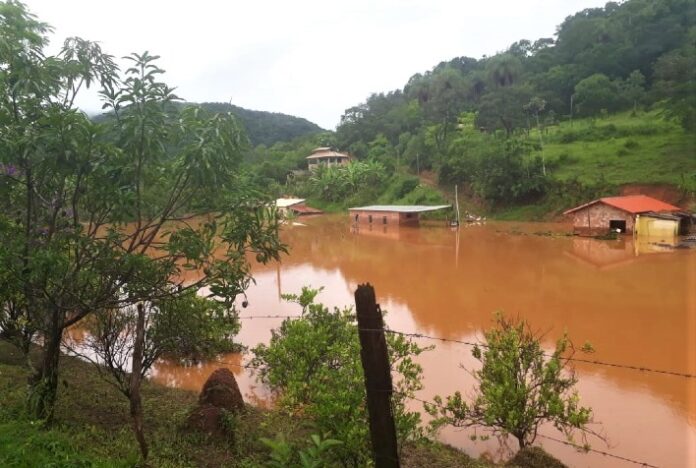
(635,303)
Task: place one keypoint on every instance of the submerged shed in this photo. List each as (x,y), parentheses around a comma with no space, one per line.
(623,214)
(391,214)
(295,206)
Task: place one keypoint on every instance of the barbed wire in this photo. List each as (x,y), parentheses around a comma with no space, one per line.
(469,343)
(483,345)
(252,317)
(600,452)
(240,366)
(586,361)
(437,405)
(576,446)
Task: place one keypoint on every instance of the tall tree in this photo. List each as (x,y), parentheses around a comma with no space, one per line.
(92,215)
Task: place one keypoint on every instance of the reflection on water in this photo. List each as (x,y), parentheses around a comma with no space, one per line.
(635,304)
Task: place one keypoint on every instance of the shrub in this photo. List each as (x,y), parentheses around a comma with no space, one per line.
(519,388)
(313,365)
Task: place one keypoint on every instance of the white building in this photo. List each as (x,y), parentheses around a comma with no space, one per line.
(325,155)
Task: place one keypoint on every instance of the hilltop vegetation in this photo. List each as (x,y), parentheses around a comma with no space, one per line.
(260,127)
(266,128)
(610,100)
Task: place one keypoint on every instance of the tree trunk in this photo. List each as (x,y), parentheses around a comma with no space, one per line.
(45,386)
(520,441)
(136,404)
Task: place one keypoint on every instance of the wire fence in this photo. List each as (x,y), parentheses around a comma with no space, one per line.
(435,404)
(483,345)
(432,404)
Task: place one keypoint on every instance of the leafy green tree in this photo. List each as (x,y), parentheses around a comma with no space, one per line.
(313,364)
(633,89)
(96,216)
(595,93)
(504,70)
(535,107)
(503,108)
(519,388)
(675,74)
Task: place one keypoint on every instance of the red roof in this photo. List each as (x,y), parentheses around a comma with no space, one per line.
(633,204)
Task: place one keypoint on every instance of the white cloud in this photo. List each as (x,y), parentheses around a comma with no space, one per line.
(310,58)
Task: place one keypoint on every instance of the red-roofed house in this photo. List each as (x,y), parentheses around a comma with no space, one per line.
(620,213)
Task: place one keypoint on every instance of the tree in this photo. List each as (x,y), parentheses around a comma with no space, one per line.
(504,69)
(519,387)
(595,93)
(675,74)
(503,108)
(536,106)
(633,89)
(124,343)
(92,214)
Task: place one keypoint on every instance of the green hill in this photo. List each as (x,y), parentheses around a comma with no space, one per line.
(262,128)
(622,149)
(612,94)
(266,128)
(616,154)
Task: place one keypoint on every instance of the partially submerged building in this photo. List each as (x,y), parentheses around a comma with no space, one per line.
(391,214)
(327,157)
(294,206)
(638,214)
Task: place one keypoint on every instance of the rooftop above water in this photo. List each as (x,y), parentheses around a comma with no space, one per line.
(401,208)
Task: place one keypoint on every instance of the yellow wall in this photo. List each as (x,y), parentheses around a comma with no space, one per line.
(654,227)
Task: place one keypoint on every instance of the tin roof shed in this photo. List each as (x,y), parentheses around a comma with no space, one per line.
(400,208)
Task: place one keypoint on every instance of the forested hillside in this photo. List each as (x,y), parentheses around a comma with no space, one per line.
(266,128)
(261,127)
(545,116)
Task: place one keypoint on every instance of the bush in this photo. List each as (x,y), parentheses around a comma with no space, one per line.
(406,186)
(313,364)
(520,387)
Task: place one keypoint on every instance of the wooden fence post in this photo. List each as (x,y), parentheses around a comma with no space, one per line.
(378,383)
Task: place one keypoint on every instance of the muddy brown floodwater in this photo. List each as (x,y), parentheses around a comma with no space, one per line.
(635,303)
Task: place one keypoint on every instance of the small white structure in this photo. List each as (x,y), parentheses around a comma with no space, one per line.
(284,204)
(326,156)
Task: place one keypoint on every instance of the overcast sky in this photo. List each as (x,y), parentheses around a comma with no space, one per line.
(310,58)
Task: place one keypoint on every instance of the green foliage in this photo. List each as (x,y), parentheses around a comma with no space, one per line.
(92,428)
(357,182)
(595,93)
(184,327)
(675,74)
(622,56)
(316,455)
(632,55)
(313,364)
(92,214)
(496,170)
(262,128)
(519,387)
(503,109)
(305,298)
(26,444)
